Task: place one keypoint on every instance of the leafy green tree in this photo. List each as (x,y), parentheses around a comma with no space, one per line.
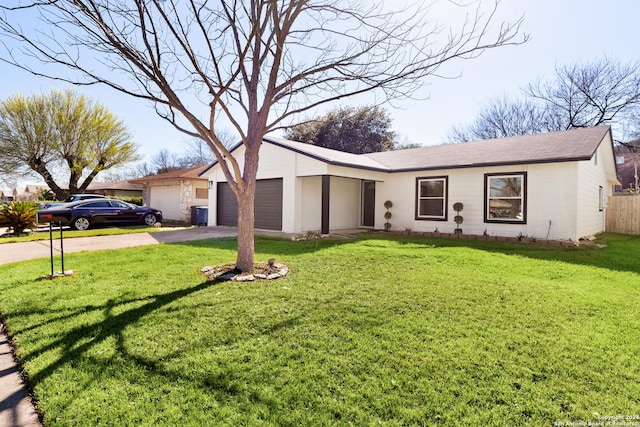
(64,137)
(354,130)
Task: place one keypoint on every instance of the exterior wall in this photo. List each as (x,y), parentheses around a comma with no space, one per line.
(551,198)
(344,203)
(592,175)
(310,196)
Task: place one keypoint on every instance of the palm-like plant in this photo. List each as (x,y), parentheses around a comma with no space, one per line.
(19,216)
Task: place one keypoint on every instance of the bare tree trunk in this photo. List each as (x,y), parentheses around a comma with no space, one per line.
(246,196)
(246,227)
(246,208)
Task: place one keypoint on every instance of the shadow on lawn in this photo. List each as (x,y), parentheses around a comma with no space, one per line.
(111,326)
(76,343)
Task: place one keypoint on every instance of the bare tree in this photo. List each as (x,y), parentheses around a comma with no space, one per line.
(579,95)
(503,117)
(252,64)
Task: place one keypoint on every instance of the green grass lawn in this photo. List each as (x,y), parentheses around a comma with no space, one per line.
(391,331)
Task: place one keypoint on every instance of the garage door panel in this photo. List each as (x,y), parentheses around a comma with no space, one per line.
(166,200)
(268,205)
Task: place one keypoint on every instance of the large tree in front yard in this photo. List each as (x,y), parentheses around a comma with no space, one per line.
(250,65)
(62,136)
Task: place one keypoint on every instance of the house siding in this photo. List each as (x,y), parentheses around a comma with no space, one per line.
(344,203)
(592,176)
(467,186)
(310,217)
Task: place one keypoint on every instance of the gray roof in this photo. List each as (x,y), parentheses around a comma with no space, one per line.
(327,155)
(569,145)
(562,146)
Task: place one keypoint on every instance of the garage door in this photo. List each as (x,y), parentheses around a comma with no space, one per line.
(166,199)
(268,205)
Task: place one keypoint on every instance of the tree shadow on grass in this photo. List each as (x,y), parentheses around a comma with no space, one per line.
(111,326)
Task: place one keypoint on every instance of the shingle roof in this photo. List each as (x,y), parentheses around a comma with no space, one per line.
(191,173)
(328,155)
(561,146)
(570,145)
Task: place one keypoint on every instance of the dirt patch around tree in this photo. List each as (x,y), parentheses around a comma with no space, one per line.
(270,270)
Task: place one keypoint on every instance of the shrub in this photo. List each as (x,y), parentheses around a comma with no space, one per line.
(19,216)
(133,200)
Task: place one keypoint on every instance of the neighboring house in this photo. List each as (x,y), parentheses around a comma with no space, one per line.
(116,189)
(548,186)
(628,172)
(175,192)
(29,193)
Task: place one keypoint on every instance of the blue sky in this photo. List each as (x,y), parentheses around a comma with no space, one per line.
(562,32)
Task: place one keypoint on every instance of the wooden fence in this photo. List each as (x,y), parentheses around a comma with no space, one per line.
(623,214)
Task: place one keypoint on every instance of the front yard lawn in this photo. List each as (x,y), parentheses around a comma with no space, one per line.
(377,330)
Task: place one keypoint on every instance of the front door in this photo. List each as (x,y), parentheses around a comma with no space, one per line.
(368,203)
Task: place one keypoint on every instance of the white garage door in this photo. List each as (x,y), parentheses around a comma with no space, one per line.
(167,199)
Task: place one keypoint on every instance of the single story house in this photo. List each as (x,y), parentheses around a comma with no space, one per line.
(548,186)
(175,193)
(628,172)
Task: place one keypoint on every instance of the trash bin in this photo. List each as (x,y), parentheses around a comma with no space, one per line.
(194,215)
(202,215)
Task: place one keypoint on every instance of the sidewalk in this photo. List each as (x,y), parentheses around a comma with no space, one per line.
(16,407)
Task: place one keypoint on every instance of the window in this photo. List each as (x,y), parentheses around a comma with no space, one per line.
(92,205)
(202,193)
(431,198)
(505,198)
(118,204)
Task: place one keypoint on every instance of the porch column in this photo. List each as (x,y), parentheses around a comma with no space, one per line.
(326,179)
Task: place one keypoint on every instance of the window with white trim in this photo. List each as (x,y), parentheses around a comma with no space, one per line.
(505,197)
(431,198)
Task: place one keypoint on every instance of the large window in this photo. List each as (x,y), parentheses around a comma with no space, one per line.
(431,198)
(506,197)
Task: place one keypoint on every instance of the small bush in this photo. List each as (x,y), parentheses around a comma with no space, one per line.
(133,200)
(19,216)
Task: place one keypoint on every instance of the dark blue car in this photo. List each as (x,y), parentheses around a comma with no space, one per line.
(88,213)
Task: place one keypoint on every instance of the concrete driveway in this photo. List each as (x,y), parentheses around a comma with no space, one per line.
(22,251)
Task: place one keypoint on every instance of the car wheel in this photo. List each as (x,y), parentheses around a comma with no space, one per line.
(81,223)
(150,219)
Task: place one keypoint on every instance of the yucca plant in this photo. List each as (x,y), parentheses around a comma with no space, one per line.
(19,216)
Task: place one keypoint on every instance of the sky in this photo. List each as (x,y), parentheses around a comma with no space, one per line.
(561,32)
